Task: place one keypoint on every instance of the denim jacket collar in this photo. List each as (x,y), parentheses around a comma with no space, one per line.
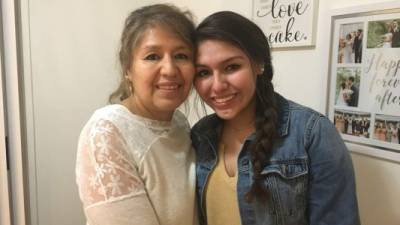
(283,115)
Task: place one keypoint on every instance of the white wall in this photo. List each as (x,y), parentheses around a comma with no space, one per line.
(70,65)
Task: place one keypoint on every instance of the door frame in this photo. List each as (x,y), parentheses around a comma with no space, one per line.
(12,113)
(5,216)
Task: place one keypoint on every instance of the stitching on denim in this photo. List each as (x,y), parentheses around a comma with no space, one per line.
(310,126)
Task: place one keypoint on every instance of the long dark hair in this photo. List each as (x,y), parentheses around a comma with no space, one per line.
(241,32)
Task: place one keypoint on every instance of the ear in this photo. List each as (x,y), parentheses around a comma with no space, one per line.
(128,75)
(259,69)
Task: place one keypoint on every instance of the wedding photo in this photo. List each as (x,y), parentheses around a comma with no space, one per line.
(384,34)
(387,128)
(352,123)
(350,43)
(347,86)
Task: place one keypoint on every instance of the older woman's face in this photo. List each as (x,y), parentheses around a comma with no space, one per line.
(161,72)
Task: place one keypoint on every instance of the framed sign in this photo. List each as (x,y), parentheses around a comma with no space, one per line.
(364,86)
(287,23)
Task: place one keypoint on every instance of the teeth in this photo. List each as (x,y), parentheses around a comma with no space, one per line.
(223,99)
(168,87)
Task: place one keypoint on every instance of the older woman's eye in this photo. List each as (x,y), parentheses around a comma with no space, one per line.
(152,57)
(182,56)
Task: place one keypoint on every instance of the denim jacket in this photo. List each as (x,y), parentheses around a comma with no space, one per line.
(310,177)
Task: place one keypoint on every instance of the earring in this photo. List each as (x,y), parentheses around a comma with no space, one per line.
(261,70)
(129,84)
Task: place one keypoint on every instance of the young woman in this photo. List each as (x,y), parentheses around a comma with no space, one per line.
(262,159)
(135,164)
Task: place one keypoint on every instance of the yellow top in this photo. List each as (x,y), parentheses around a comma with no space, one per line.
(221,197)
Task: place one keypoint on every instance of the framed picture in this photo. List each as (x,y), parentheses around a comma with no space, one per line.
(287,23)
(364,78)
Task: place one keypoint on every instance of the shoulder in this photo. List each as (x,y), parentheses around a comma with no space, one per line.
(115,114)
(300,122)
(105,113)
(312,125)
(205,130)
(109,112)
(296,113)
(119,120)
(312,128)
(303,113)
(209,122)
(180,120)
(102,121)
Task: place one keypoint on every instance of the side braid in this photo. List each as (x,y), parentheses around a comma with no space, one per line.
(266,126)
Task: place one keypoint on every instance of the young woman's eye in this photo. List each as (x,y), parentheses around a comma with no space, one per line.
(202,73)
(232,67)
(181,56)
(152,57)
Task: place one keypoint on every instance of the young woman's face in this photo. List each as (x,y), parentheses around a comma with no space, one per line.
(225,79)
(161,73)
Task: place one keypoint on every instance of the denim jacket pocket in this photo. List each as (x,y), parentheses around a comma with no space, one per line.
(287,181)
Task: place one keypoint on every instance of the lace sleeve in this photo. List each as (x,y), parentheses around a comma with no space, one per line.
(107,178)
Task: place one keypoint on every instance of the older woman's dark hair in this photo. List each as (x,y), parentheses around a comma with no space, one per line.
(247,36)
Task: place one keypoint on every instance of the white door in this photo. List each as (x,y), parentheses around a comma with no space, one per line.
(12,192)
(69,67)
(5,216)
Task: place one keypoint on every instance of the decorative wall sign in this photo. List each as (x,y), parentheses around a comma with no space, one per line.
(287,23)
(364,98)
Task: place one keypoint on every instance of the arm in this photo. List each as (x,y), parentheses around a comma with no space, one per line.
(332,192)
(110,188)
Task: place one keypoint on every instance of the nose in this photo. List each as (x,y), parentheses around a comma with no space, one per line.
(168,67)
(219,83)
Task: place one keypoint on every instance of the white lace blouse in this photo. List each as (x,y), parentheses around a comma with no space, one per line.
(133,170)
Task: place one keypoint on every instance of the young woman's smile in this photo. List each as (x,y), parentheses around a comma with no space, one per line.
(225,79)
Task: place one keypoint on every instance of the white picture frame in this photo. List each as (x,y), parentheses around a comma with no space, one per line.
(287,23)
(375,78)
